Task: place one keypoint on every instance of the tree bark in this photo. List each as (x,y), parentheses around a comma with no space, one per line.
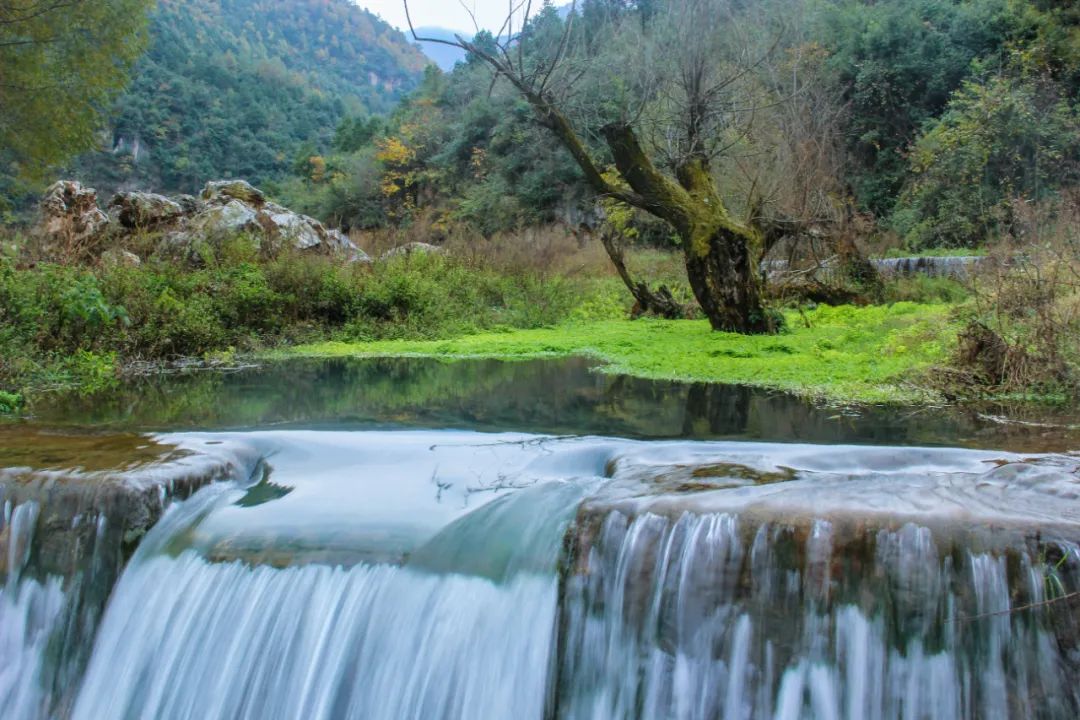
(728,285)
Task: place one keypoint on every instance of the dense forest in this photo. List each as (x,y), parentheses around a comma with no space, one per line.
(241,88)
(931,118)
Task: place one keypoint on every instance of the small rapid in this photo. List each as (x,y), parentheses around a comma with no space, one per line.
(30,612)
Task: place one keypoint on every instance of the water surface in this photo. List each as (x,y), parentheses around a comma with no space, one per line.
(562,397)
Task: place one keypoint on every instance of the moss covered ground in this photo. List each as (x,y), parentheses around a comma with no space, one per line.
(875,354)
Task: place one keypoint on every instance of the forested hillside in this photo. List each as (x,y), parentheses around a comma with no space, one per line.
(244,87)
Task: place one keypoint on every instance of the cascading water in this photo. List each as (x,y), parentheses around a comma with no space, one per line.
(463,629)
(710,616)
(462,575)
(30,612)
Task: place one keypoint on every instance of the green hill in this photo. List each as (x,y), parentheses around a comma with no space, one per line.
(242,88)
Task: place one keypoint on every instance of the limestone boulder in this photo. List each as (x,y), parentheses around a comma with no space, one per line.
(340,243)
(225,209)
(69,213)
(190,204)
(225,191)
(144,211)
(284,226)
(412,248)
(116,257)
(219,221)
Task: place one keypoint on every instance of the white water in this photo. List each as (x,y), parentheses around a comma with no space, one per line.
(464,630)
(30,612)
(190,639)
(704,617)
(414,575)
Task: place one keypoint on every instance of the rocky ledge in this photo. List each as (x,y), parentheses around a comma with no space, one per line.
(88,498)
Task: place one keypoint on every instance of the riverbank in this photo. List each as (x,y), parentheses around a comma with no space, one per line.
(874,354)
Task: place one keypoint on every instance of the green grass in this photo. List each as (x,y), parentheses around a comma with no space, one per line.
(846,355)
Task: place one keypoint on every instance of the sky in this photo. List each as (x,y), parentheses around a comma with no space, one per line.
(442,13)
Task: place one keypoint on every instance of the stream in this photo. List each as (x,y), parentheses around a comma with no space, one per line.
(390,539)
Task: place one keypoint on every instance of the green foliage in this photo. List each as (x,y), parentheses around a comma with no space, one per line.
(459,146)
(999,140)
(61,64)
(10,402)
(64,326)
(898,63)
(468,150)
(925,289)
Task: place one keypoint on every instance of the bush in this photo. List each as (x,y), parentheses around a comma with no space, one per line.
(69,326)
(1023,321)
(998,140)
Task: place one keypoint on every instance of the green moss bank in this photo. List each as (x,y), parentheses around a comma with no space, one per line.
(844,354)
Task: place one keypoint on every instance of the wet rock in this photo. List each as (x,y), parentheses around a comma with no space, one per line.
(69,214)
(733,607)
(411,248)
(144,211)
(948,491)
(872,564)
(72,508)
(87,486)
(224,191)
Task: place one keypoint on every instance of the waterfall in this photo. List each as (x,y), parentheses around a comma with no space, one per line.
(717,616)
(442,636)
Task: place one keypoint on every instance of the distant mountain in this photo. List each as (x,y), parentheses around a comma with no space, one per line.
(442,55)
(245,88)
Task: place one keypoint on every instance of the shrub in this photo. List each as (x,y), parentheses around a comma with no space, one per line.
(1023,323)
(62,325)
(998,140)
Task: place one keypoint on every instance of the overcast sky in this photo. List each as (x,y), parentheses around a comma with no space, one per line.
(443,13)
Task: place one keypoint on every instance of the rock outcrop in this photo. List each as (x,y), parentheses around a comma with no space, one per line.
(143,211)
(70,215)
(225,209)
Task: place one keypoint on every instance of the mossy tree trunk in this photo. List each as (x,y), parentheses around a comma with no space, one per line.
(721,254)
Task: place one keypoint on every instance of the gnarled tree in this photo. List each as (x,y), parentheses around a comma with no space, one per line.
(684,108)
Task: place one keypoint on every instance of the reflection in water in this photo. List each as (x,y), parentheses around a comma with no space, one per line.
(548,396)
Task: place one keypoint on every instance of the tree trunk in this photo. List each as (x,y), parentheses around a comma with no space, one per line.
(727,284)
(721,254)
